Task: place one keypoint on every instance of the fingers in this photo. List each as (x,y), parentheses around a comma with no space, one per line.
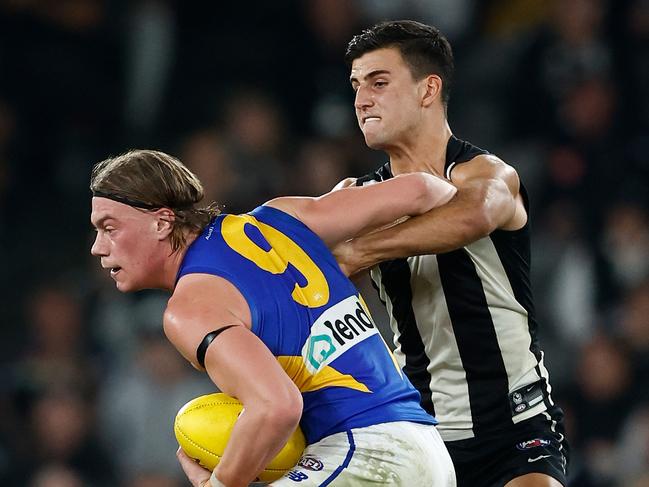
(197,475)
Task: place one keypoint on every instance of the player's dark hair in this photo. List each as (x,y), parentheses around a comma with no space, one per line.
(423,47)
(150,180)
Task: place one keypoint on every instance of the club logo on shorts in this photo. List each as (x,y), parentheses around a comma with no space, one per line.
(337,330)
(311,463)
(517,397)
(536,442)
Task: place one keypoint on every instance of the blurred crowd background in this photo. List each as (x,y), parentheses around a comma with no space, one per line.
(254,97)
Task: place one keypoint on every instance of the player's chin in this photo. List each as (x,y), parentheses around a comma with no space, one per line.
(121,287)
(127,286)
(374,142)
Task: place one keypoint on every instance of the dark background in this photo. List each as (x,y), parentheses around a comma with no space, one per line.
(254,97)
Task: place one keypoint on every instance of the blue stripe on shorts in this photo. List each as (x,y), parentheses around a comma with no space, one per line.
(348,458)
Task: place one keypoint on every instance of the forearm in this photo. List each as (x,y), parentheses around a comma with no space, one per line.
(440,230)
(272,406)
(256,439)
(485,201)
(343,214)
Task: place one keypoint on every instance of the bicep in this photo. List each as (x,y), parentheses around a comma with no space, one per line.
(202,304)
(241,365)
(236,359)
(488,189)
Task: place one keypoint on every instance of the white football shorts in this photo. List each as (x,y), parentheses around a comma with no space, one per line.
(397,454)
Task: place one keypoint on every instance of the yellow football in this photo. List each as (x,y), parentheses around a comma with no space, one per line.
(203,428)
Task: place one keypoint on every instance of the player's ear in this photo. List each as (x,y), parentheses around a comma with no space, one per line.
(165,222)
(432,89)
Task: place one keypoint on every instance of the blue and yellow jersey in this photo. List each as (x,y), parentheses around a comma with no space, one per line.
(311,317)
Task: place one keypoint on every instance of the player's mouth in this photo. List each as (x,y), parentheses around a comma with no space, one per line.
(370,119)
(114,271)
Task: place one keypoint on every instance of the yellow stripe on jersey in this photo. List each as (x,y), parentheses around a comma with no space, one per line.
(326,377)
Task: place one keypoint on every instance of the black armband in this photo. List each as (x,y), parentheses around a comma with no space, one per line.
(209,338)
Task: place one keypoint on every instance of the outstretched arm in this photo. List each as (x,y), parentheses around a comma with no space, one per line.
(355,210)
(487,198)
(236,361)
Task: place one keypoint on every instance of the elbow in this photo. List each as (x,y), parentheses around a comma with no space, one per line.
(285,410)
(445,193)
(290,418)
(292,411)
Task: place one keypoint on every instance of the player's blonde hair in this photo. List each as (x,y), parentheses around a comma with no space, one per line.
(151,180)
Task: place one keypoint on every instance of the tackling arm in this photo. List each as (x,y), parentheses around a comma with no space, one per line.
(487,198)
(241,366)
(350,211)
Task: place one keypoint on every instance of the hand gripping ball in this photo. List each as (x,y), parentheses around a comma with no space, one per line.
(203,427)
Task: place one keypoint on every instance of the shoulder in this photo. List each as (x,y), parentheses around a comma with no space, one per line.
(293,205)
(200,298)
(483,166)
(201,304)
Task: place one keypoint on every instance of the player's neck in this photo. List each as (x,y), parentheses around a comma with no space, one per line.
(425,152)
(172,265)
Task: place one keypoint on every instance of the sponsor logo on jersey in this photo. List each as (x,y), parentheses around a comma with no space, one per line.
(336,331)
(536,442)
(311,463)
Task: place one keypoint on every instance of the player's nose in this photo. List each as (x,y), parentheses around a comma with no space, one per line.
(363,98)
(97,248)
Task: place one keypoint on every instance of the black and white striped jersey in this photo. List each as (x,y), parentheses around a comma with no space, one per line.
(464,326)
